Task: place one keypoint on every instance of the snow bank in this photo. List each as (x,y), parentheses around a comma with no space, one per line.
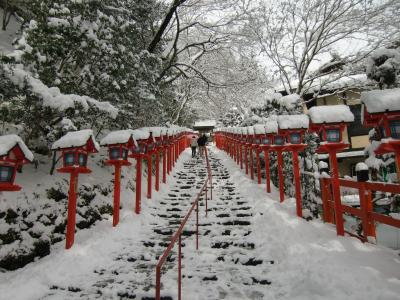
(75,139)
(330,114)
(8,142)
(377,101)
(293,121)
(52,97)
(118,137)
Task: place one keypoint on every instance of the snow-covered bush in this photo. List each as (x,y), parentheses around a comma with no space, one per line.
(383,66)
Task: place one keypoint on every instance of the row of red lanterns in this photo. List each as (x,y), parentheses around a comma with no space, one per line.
(284,134)
(141,144)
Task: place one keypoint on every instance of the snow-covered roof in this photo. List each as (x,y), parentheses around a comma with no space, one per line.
(293,121)
(289,101)
(118,137)
(140,134)
(259,128)
(330,114)
(76,139)
(8,142)
(343,154)
(205,123)
(378,101)
(271,125)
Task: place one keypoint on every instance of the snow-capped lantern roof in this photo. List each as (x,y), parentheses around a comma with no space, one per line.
(377,102)
(271,126)
(330,114)
(259,129)
(12,147)
(286,122)
(77,139)
(140,134)
(119,137)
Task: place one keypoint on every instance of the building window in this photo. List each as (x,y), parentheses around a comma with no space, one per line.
(295,138)
(333,135)
(114,153)
(279,140)
(395,129)
(69,159)
(6,173)
(82,158)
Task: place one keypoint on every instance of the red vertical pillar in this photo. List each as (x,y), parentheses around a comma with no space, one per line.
(267,173)
(73,184)
(164,165)
(138,183)
(117,193)
(280,174)
(241,155)
(149,175)
(246,162)
(296,171)
(336,194)
(251,163)
(169,158)
(157,187)
(258,166)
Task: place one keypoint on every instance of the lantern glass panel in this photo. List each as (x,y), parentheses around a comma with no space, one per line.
(295,138)
(257,141)
(6,173)
(382,131)
(115,153)
(69,159)
(82,159)
(279,140)
(124,154)
(266,141)
(333,135)
(395,129)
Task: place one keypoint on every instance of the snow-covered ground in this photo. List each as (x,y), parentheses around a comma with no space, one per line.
(298,259)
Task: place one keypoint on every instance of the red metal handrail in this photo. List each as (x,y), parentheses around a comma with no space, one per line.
(178,234)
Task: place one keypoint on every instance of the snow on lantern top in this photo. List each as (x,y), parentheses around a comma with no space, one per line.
(379,101)
(259,129)
(12,145)
(330,114)
(271,125)
(78,139)
(293,121)
(119,137)
(140,134)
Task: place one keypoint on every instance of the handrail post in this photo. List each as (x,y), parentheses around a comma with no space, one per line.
(197,225)
(206,201)
(158,282)
(180,268)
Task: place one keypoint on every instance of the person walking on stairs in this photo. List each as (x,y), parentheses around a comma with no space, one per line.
(202,141)
(193,145)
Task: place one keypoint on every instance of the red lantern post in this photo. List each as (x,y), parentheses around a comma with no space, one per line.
(330,122)
(75,147)
(278,147)
(119,143)
(271,128)
(13,154)
(294,127)
(150,149)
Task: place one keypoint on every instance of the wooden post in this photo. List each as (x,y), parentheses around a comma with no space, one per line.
(296,171)
(336,193)
(258,166)
(73,185)
(149,174)
(267,172)
(280,175)
(117,193)
(157,186)
(138,183)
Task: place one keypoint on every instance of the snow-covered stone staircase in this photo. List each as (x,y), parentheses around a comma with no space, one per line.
(223,268)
